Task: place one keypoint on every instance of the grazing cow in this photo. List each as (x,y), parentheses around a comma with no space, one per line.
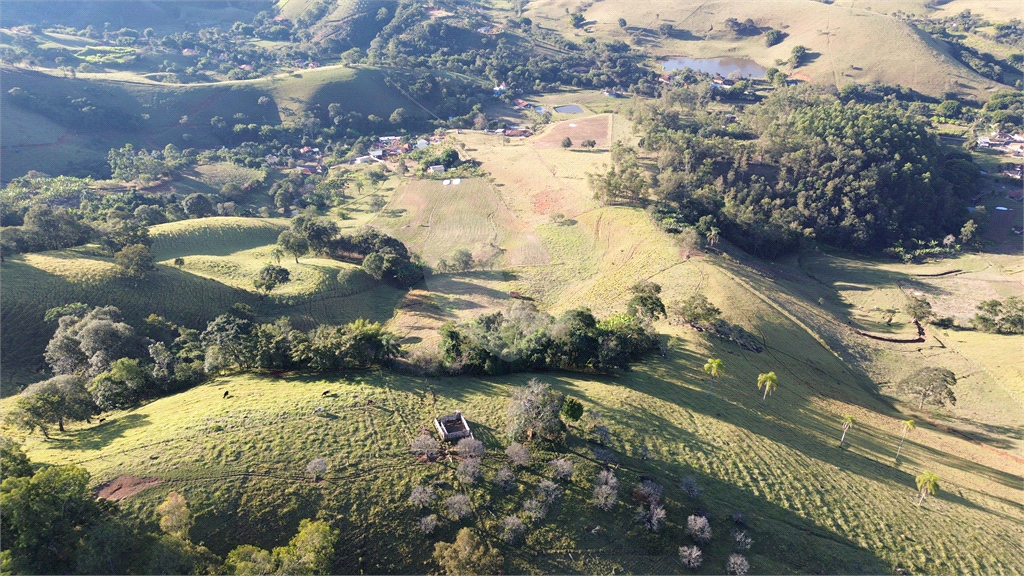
(226,393)
(326,392)
(318,409)
(102,420)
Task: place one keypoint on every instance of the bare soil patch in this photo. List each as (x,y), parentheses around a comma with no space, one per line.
(592,128)
(125,486)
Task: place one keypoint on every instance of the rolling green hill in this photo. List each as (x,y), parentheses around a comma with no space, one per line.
(150,114)
(222,256)
(808,505)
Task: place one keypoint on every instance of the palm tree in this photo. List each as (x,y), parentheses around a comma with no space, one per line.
(712,236)
(847,424)
(908,425)
(714,368)
(769,381)
(927,483)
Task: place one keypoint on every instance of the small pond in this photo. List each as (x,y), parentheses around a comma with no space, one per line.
(569,109)
(724,66)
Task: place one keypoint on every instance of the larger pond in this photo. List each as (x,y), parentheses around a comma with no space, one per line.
(724,66)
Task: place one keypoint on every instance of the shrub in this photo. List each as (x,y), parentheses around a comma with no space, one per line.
(422,496)
(317,468)
(606,490)
(535,509)
(548,491)
(512,527)
(518,454)
(505,479)
(605,497)
(467,555)
(651,518)
(742,540)
(737,564)
(469,471)
(691,488)
(424,445)
(458,506)
(572,409)
(691,557)
(698,528)
(648,491)
(428,523)
(470,448)
(561,468)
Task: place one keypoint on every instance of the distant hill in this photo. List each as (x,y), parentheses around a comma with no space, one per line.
(151,114)
(846,41)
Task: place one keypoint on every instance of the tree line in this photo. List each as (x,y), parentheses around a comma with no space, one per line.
(101,363)
(526,340)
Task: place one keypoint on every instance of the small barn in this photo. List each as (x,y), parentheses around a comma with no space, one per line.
(436,169)
(452,427)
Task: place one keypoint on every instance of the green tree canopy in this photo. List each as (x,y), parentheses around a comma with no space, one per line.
(467,555)
(44,517)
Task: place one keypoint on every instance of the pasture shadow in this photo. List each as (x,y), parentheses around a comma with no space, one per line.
(102,434)
(682,34)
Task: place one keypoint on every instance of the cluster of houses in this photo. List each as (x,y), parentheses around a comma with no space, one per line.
(310,161)
(388,147)
(514,131)
(1012,143)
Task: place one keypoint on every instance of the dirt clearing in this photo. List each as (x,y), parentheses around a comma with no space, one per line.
(595,128)
(125,486)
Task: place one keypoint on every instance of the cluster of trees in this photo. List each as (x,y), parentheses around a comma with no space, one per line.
(527,340)
(1006,317)
(53,524)
(801,164)
(383,257)
(101,363)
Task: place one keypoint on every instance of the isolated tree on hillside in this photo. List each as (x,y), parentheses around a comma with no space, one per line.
(712,236)
(135,261)
(931,384)
(270,277)
(294,244)
(534,412)
(927,483)
(848,422)
(907,426)
(53,401)
(769,381)
(622,22)
(566,142)
(714,368)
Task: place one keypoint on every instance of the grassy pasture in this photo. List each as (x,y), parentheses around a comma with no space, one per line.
(834,35)
(809,506)
(222,256)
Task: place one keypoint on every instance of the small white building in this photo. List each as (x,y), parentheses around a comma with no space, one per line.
(421,144)
(437,169)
